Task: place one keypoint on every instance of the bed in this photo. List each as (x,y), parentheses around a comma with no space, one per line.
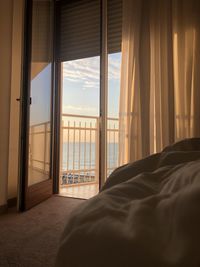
(147,214)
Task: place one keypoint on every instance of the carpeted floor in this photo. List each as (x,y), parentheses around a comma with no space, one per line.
(30,239)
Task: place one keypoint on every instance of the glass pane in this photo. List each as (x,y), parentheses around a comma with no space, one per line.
(114,65)
(40,92)
(80,128)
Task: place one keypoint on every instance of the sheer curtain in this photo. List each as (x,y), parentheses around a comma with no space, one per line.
(160,75)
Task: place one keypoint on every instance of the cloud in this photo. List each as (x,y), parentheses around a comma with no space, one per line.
(87,71)
(91,84)
(114,65)
(82,69)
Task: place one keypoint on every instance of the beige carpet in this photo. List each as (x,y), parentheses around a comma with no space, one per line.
(30,239)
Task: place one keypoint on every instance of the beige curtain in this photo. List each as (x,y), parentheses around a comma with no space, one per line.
(160,76)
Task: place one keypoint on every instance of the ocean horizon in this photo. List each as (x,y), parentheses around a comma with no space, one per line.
(87,155)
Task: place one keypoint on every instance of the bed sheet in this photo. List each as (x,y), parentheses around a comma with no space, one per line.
(149,218)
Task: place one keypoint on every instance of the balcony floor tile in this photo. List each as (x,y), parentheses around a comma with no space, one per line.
(80,191)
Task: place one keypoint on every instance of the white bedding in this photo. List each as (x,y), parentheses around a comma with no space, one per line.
(141,218)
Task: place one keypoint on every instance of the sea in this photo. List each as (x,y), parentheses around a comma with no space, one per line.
(83,155)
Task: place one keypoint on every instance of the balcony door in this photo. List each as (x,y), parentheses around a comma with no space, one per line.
(36,105)
(89,53)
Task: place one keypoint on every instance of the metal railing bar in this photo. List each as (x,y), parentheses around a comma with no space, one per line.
(79,141)
(41,161)
(39,124)
(41,132)
(114,145)
(85,145)
(81,170)
(112,130)
(109,150)
(87,117)
(79,116)
(68,145)
(90,155)
(112,119)
(79,128)
(45,144)
(78,184)
(74,139)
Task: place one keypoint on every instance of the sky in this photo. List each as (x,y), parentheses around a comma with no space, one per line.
(41,97)
(81,89)
(81,86)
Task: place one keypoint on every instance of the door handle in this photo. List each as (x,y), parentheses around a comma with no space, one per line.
(30,100)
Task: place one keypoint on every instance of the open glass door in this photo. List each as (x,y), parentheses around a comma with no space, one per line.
(89,52)
(36,117)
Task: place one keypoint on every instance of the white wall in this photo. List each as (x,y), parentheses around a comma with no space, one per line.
(15,93)
(6,10)
(11,28)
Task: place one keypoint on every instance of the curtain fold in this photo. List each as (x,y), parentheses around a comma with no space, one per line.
(160,84)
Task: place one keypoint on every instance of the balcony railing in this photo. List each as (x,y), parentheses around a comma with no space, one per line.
(39,143)
(80,148)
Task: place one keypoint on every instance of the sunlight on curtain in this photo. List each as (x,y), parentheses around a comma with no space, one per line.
(160,83)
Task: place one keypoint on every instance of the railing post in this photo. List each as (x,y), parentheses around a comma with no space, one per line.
(61,152)
(45,145)
(85,140)
(74,150)
(114,151)
(68,132)
(79,156)
(31,147)
(97,151)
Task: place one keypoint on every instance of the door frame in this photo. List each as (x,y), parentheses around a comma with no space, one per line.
(103,94)
(29,196)
(57,105)
(103,98)
(24,111)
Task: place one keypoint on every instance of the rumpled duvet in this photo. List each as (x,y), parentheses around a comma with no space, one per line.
(147,214)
